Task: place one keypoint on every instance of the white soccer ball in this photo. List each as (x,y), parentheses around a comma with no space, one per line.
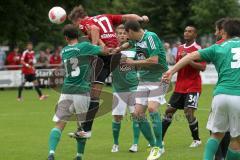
(57,15)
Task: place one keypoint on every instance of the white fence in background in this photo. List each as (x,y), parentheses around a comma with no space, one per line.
(13,78)
(209,76)
(10,78)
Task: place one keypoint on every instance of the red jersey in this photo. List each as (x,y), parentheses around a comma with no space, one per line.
(188,78)
(55,59)
(105,23)
(13,58)
(29,58)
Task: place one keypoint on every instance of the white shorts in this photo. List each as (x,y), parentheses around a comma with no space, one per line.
(225,115)
(122,100)
(72,107)
(150,91)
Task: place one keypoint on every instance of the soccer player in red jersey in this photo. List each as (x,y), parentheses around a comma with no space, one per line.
(100,30)
(28,71)
(188,87)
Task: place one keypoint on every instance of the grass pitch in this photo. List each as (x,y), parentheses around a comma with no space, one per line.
(25,127)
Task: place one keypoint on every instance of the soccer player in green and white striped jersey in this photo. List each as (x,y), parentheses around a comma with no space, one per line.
(225,112)
(124,89)
(151,64)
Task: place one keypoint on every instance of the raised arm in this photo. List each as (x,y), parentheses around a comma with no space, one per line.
(145,62)
(94,32)
(180,64)
(127,17)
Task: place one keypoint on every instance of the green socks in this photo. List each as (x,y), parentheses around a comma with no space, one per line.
(232,155)
(136,131)
(157,128)
(211,148)
(81,142)
(54,138)
(116,126)
(146,130)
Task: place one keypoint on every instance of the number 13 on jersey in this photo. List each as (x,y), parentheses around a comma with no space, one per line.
(71,67)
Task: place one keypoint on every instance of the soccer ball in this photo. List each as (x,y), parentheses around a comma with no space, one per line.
(57,15)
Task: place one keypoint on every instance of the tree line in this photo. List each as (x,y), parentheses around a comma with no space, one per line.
(26,20)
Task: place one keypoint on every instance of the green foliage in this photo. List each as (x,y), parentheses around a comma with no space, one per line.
(42,46)
(25,20)
(206,12)
(167,18)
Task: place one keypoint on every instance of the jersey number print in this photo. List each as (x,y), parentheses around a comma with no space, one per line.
(72,66)
(236,58)
(100,22)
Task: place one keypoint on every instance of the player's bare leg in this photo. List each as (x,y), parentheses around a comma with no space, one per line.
(54,138)
(167,119)
(193,125)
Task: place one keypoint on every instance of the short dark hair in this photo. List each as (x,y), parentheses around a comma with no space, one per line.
(133,25)
(70,31)
(192,26)
(232,27)
(219,23)
(29,43)
(77,12)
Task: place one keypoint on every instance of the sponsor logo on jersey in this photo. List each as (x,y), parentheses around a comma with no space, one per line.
(142,44)
(71,49)
(125,68)
(111,35)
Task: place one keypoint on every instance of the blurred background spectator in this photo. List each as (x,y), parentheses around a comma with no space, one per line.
(55,58)
(169,57)
(175,48)
(13,59)
(42,60)
(48,53)
(2,59)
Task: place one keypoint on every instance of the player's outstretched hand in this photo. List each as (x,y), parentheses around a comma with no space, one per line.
(106,50)
(115,51)
(145,19)
(167,76)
